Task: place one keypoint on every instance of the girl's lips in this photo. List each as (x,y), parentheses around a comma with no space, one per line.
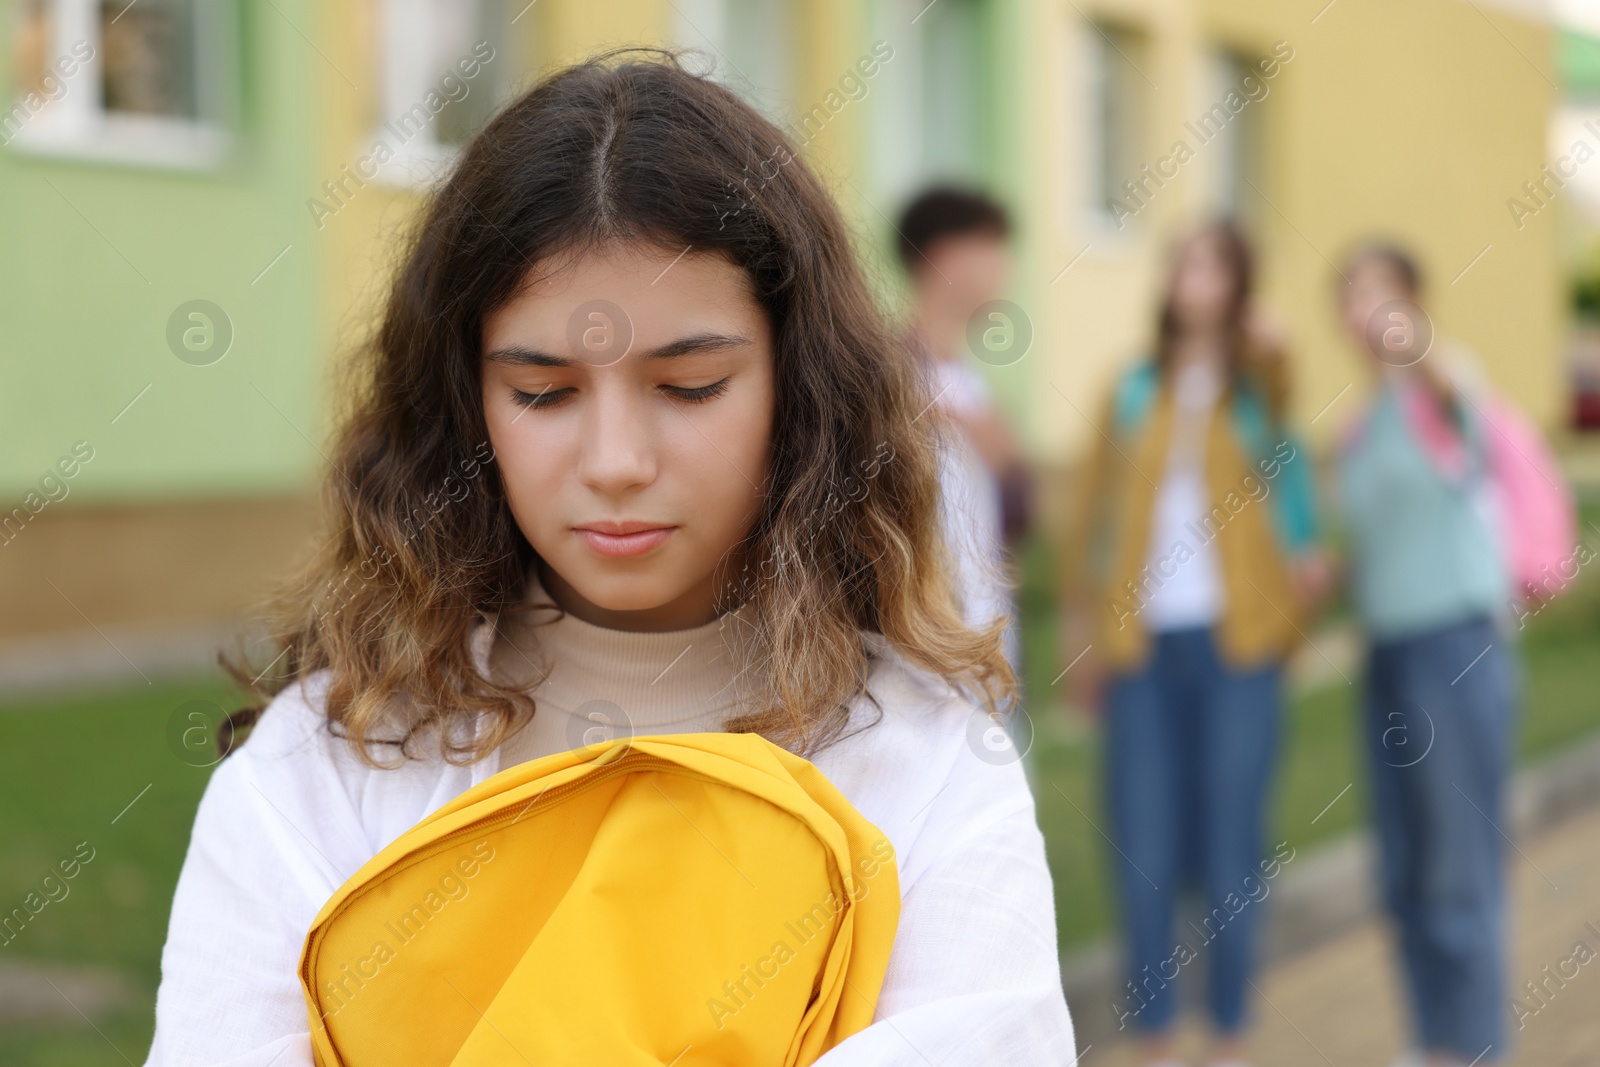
(635,543)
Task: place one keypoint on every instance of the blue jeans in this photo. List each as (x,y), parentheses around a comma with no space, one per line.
(1190,748)
(1438,738)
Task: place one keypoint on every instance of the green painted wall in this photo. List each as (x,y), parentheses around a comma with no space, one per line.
(1578,61)
(1015,134)
(94,258)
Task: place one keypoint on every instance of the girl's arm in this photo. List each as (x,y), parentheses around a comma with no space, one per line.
(275,835)
(974,978)
(1299,525)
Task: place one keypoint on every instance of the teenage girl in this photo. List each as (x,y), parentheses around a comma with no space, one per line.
(1193,557)
(1430,586)
(635,454)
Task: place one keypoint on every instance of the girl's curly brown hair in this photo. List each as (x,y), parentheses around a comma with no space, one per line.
(625,148)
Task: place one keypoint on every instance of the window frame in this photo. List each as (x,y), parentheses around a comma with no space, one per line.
(76,124)
(1106,63)
(405,45)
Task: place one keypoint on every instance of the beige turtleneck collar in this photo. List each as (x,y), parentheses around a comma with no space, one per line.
(599,683)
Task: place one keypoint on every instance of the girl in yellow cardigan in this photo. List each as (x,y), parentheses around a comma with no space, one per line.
(1189,569)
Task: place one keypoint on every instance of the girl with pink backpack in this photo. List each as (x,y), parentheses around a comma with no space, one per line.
(1458,520)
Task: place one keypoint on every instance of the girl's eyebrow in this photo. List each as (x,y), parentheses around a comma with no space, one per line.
(522,356)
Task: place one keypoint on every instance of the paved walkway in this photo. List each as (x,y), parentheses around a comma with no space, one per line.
(1340,1004)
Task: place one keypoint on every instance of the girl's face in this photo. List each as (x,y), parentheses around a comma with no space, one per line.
(1202,284)
(629,398)
(968,270)
(1372,286)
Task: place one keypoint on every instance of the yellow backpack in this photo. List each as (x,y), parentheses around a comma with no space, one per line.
(677,900)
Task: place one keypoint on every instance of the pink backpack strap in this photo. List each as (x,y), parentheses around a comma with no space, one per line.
(1538,514)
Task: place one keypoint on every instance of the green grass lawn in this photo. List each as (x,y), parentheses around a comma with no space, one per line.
(71,766)
(68,768)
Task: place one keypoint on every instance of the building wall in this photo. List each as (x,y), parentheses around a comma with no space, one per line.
(96,258)
(1416,119)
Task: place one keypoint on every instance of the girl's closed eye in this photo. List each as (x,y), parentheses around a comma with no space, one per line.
(698,394)
(549,396)
(544,398)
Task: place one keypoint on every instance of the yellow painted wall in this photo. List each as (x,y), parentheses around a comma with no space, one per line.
(357,246)
(1449,121)
(568,32)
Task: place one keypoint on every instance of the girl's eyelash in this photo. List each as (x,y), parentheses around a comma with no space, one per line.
(542,399)
(551,397)
(700,395)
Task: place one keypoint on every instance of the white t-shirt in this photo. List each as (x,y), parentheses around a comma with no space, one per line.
(1182,568)
(971,509)
(973,977)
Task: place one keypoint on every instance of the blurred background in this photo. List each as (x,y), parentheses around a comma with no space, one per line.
(200,203)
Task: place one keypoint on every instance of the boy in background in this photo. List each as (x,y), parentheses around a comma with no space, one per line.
(954,245)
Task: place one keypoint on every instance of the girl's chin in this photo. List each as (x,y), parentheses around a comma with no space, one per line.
(645,593)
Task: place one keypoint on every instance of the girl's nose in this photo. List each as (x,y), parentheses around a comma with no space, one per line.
(618,446)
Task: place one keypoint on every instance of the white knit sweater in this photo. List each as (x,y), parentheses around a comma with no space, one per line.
(973,977)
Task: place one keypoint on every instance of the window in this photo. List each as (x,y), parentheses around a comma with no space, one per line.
(445,69)
(1114,99)
(1232,156)
(152,82)
(930,113)
(954,130)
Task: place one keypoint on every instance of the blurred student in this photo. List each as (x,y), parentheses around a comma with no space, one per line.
(1431,569)
(953,244)
(1191,562)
